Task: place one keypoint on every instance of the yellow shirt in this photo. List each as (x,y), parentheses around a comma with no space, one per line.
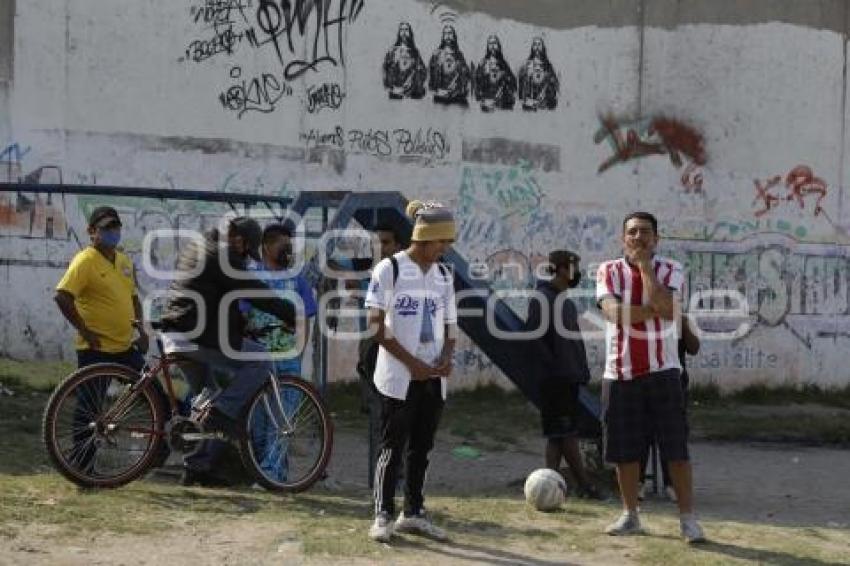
(103,294)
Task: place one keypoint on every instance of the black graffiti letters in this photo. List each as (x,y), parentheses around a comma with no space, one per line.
(284,24)
(218,12)
(373,142)
(328,95)
(427,143)
(419,144)
(258,94)
(203,49)
(217,16)
(316,138)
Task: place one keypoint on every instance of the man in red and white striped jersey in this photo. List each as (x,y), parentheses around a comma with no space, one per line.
(641,391)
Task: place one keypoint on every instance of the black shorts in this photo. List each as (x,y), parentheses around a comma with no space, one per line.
(559,407)
(633,411)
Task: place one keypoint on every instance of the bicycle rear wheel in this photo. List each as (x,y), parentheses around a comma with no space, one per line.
(100,433)
(289,436)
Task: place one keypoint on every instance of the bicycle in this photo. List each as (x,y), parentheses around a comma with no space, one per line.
(104,426)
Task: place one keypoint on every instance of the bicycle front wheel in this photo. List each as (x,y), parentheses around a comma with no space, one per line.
(98,431)
(289,436)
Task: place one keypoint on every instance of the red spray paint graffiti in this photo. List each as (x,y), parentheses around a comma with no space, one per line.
(634,139)
(798,184)
(34,216)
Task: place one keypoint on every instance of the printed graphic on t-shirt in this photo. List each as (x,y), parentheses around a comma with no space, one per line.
(405,305)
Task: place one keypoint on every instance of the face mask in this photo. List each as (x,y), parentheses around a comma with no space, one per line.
(283,258)
(110,238)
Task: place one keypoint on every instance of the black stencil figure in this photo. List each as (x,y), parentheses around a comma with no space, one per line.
(538,84)
(404,70)
(449,74)
(495,83)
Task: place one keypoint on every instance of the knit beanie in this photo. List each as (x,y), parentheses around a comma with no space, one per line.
(431,221)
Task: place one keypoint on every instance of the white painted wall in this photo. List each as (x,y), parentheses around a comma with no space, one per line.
(101,92)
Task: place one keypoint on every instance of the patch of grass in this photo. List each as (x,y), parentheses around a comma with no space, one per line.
(743,543)
(704,393)
(20,432)
(37,376)
(332,525)
(779,423)
(495,527)
(490,415)
(487,414)
(763,394)
(772,394)
(344,402)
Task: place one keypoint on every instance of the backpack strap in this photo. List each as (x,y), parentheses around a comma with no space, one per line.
(444,271)
(394,262)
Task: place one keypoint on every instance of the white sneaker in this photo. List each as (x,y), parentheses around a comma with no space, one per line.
(382,529)
(420,525)
(627,524)
(670,493)
(691,529)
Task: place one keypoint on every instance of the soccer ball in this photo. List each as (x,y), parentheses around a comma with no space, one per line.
(545,489)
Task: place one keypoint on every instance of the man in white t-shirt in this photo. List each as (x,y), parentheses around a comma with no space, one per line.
(412,310)
(639,295)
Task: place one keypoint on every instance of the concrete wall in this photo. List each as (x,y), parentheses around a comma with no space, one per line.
(725,118)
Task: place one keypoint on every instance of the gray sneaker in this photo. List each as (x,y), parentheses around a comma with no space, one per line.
(382,529)
(420,525)
(627,524)
(691,530)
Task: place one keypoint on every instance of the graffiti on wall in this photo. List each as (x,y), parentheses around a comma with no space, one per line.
(253,94)
(302,36)
(404,70)
(422,145)
(494,82)
(636,139)
(450,78)
(33,216)
(804,288)
(725,230)
(11,157)
(507,207)
(800,186)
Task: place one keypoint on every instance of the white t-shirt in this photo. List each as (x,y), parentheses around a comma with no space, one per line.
(404,303)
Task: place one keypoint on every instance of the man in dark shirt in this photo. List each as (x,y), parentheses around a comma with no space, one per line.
(207,271)
(565,367)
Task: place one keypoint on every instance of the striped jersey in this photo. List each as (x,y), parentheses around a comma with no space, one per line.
(635,350)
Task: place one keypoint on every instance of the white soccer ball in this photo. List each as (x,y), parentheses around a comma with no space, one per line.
(545,489)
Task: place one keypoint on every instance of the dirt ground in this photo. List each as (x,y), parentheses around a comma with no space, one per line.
(769,483)
(762,484)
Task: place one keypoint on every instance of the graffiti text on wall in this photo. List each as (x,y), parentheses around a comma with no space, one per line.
(635,139)
(326,95)
(254,94)
(10,159)
(514,191)
(417,144)
(799,186)
(302,35)
(804,291)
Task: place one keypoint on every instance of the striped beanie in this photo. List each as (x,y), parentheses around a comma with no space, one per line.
(431,221)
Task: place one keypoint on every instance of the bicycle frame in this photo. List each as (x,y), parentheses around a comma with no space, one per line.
(148,376)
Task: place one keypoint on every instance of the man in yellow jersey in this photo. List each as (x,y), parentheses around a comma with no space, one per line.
(97,295)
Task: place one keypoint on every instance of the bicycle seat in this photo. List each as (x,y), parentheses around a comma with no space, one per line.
(175,343)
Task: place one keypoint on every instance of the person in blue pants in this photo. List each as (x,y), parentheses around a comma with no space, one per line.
(274,270)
